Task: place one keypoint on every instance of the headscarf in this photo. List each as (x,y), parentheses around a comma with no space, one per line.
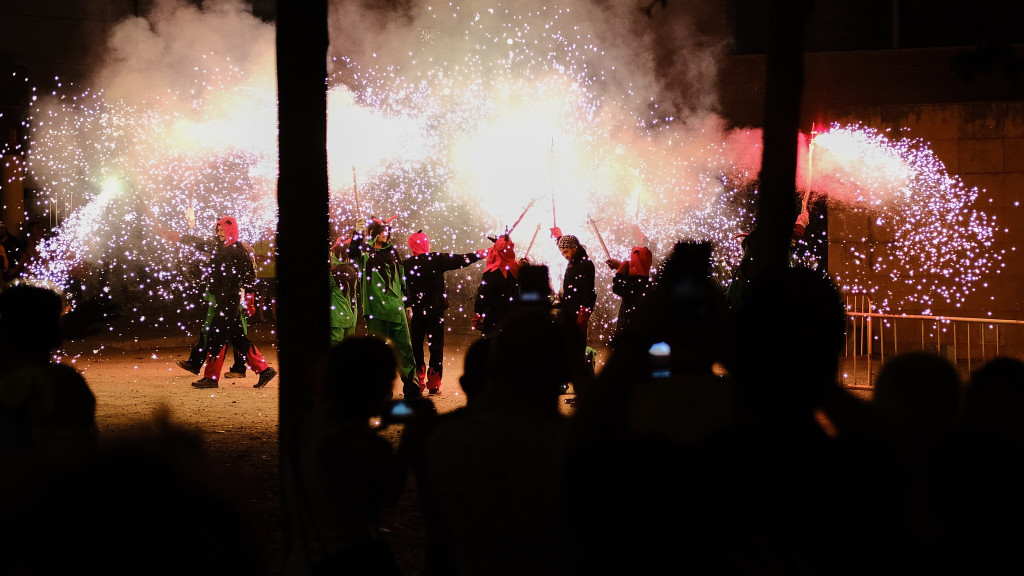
(568,241)
(502,256)
(640,261)
(230,227)
(419,243)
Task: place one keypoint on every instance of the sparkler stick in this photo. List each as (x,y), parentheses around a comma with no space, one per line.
(810,168)
(599,238)
(355,190)
(532,240)
(528,206)
(551,175)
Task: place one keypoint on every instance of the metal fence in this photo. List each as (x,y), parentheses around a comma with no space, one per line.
(967,342)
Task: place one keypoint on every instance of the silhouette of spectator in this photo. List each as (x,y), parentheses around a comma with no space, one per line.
(777,476)
(130,508)
(994,399)
(438,553)
(342,471)
(47,411)
(656,400)
(917,398)
(966,502)
(494,470)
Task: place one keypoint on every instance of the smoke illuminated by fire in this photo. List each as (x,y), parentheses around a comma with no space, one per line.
(474,114)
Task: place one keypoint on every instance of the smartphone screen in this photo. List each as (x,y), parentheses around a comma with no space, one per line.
(660,357)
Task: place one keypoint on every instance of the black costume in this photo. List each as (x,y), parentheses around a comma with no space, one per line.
(424,281)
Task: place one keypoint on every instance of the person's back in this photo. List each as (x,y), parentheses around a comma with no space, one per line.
(917,397)
(341,471)
(994,398)
(494,471)
(776,472)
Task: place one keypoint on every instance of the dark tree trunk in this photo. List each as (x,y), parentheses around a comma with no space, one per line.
(777,206)
(302,198)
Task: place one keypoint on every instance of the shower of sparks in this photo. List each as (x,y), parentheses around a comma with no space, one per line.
(940,248)
(516,108)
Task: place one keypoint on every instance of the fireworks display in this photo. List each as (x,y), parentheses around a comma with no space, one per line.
(477,111)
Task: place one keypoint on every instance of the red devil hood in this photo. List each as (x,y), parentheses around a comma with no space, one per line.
(230,227)
(419,243)
(502,256)
(640,261)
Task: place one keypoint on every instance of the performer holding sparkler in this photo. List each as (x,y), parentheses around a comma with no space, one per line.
(424,277)
(383,295)
(577,297)
(631,282)
(499,287)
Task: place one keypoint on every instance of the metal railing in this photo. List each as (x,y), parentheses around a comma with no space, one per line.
(872,335)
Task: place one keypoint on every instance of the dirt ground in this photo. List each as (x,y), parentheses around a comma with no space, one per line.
(133,377)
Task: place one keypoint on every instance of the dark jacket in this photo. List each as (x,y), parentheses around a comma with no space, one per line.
(578,284)
(633,290)
(229,271)
(495,297)
(424,279)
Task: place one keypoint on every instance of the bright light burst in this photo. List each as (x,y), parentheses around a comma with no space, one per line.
(939,247)
(515,108)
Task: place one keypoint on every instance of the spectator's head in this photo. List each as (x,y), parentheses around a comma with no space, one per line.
(30,322)
(917,398)
(530,360)
(790,328)
(358,377)
(995,397)
(474,371)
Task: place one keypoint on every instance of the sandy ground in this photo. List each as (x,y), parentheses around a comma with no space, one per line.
(134,377)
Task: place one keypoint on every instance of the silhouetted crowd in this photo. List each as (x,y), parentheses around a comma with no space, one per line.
(716,439)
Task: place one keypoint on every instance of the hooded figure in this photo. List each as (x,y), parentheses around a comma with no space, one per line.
(424,278)
(499,286)
(383,294)
(230,273)
(631,282)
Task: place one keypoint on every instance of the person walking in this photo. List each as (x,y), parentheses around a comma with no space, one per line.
(428,298)
(230,273)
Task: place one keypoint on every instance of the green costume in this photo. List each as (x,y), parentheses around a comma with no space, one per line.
(382,298)
(342,280)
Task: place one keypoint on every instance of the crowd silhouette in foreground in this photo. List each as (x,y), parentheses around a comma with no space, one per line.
(716,439)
